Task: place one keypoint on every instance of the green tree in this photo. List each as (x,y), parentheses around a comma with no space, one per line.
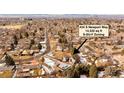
(64,30)
(26,34)
(15,40)
(72,72)
(33,34)
(93,71)
(15,37)
(76,70)
(39,46)
(72,50)
(9,60)
(32,42)
(41,29)
(12,46)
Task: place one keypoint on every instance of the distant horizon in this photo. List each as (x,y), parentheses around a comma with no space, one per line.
(108,16)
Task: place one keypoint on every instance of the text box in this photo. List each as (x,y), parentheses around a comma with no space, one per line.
(93,30)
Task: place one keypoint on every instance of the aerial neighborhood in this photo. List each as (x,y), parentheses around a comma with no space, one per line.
(44,47)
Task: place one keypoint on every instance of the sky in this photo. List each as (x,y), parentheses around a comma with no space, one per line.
(61,7)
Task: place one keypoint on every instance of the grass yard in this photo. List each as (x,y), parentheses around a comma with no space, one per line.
(11,26)
(6,74)
(21,57)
